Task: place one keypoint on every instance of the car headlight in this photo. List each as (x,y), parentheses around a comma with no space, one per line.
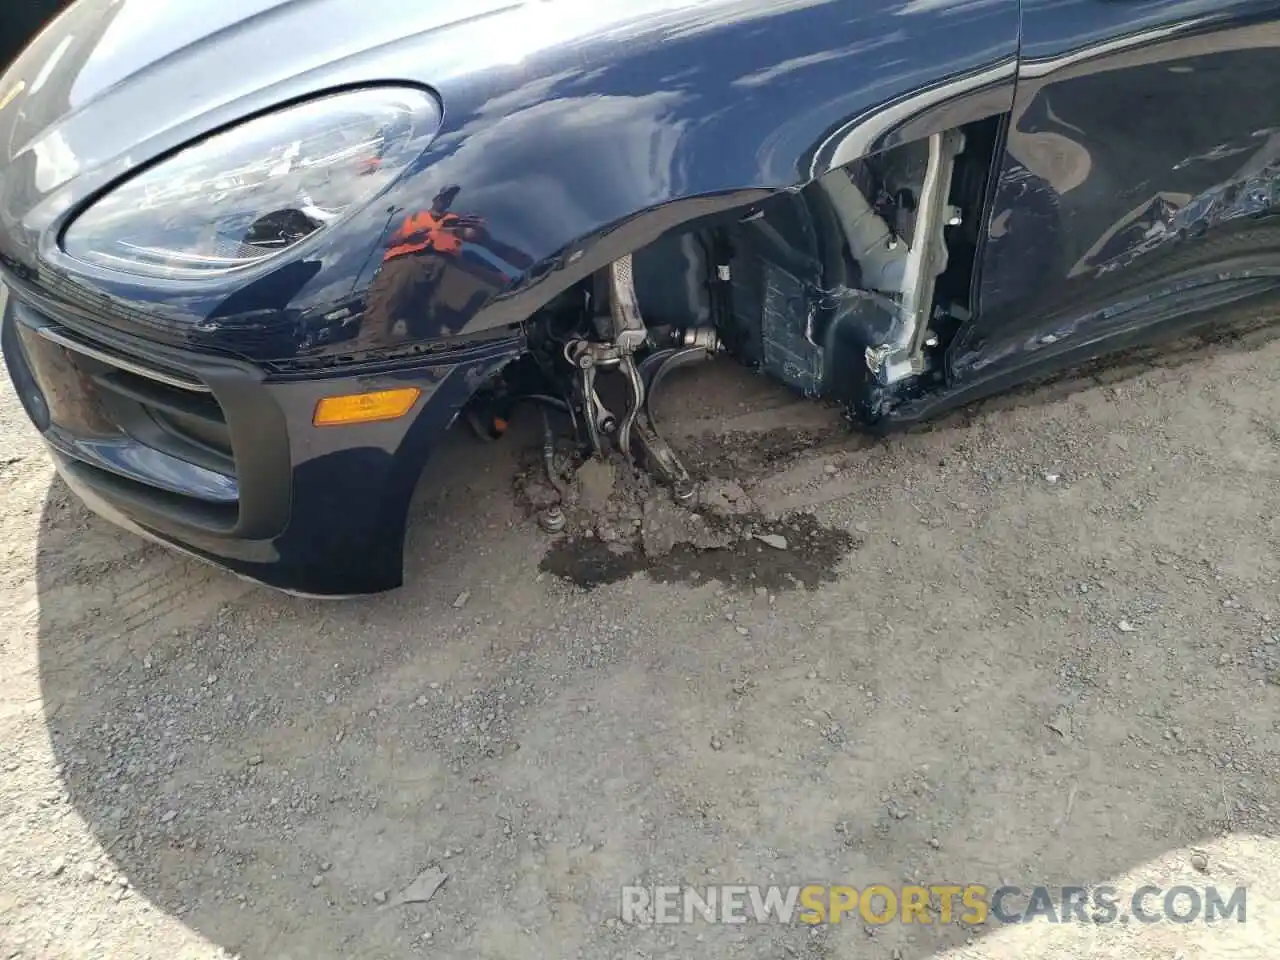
(255,190)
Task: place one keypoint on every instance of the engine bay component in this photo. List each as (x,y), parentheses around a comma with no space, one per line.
(894,227)
(875,246)
(902,356)
(836,290)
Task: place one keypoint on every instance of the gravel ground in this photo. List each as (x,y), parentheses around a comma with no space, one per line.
(1045,653)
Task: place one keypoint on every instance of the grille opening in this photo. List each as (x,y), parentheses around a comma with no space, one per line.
(166,409)
(187,425)
(219,517)
(113,358)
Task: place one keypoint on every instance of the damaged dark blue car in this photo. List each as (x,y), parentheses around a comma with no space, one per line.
(262,253)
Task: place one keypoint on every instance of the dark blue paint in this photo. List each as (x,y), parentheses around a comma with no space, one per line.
(1143,157)
(577,131)
(562,119)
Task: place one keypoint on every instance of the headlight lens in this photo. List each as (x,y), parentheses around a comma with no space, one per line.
(254,191)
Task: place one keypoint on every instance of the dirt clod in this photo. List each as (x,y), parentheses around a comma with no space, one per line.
(596,478)
(725,498)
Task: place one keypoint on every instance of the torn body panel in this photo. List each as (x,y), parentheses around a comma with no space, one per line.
(842,282)
(1140,165)
(834,290)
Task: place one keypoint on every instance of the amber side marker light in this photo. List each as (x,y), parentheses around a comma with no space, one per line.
(365,407)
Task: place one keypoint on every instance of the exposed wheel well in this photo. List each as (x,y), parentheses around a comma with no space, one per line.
(828,288)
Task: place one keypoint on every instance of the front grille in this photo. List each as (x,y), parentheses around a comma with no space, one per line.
(164,408)
(146,370)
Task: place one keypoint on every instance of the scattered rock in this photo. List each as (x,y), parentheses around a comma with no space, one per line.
(255,760)
(935,843)
(774,540)
(168,816)
(716,743)
(678,544)
(317,880)
(461,602)
(424,887)
(1199,862)
(743,631)
(1124,626)
(380,897)
(537,491)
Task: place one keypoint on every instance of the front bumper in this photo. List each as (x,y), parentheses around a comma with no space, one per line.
(211,455)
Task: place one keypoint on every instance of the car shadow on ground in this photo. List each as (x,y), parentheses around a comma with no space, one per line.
(955,709)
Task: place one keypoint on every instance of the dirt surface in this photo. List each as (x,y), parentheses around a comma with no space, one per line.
(1034,644)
